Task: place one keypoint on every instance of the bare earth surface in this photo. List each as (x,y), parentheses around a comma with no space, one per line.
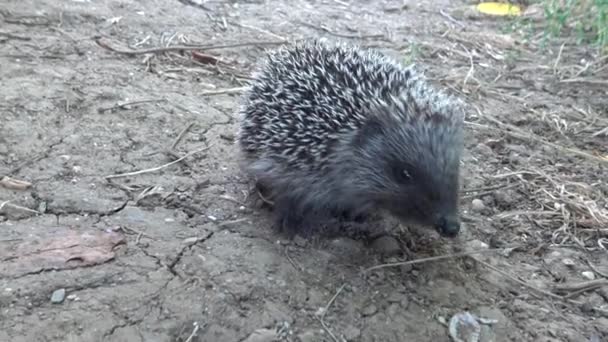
(185,254)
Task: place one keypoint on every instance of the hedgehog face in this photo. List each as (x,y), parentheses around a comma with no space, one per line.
(413,171)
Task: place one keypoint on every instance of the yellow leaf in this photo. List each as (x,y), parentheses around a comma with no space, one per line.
(498,8)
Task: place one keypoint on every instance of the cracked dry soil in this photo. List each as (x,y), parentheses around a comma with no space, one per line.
(199,262)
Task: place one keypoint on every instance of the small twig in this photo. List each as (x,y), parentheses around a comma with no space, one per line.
(194,331)
(332,300)
(261,30)
(154,169)
(451,19)
(439,257)
(14,36)
(231,222)
(9,204)
(590,81)
(519,134)
(594,268)
(10,240)
(126,104)
(579,288)
(236,90)
(519,281)
(341,35)
(328,331)
(559,56)
(231,199)
(180,136)
(104,45)
(540,291)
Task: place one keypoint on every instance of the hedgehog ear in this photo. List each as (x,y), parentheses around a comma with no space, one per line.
(371,129)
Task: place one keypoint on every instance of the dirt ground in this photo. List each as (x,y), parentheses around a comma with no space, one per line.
(184,254)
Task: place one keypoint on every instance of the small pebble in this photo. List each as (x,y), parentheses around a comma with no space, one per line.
(369,310)
(58,296)
(262,335)
(407,268)
(568,262)
(588,275)
(299,241)
(351,333)
(386,245)
(394,297)
(308,336)
(477,205)
(477,244)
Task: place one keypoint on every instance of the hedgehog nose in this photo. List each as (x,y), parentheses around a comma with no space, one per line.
(448,226)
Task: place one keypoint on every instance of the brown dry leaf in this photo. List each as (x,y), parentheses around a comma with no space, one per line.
(14,184)
(66,249)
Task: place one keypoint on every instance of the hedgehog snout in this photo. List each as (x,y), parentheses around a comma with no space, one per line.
(448,226)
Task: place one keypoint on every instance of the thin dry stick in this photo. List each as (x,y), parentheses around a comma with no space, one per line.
(283,39)
(124,105)
(546,293)
(332,300)
(559,56)
(329,304)
(594,268)
(231,199)
(231,222)
(8,204)
(439,257)
(519,281)
(181,136)
(194,331)
(236,90)
(519,134)
(181,47)
(585,80)
(451,19)
(574,290)
(154,169)
(341,35)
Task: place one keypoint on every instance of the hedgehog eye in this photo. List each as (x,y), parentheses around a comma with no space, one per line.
(405,176)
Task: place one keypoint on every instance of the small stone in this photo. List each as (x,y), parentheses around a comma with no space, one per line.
(394,297)
(351,333)
(344,246)
(477,205)
(307,336)
(407,268)
(369,310)
(503,199)
(58,296)
(72,297)
(405,303)
(484,150)
(299,241)
(386,245)
(568,262)
(477,244)
(588,275)
(262,335)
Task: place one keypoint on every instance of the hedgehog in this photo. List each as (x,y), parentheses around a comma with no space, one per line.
(329,129)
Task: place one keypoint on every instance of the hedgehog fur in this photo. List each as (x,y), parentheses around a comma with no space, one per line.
(330,129)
